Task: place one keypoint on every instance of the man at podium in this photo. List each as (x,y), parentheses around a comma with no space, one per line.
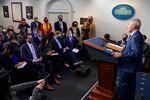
(130,61)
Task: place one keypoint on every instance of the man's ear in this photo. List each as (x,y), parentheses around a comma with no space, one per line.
(134,26)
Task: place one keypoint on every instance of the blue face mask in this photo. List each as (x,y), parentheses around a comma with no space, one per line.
(70,35)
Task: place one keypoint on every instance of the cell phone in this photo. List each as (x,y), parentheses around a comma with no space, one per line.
(46,78)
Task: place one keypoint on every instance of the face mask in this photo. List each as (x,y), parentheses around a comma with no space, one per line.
(70,35)
(124,39)
(36,20)
(90,20)
(46,21)
(60,19)
(23,22)
(75,25)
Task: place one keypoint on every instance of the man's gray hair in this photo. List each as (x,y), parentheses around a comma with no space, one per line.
(137,22)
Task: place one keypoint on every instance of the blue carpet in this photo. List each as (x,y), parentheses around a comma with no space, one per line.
(142,87)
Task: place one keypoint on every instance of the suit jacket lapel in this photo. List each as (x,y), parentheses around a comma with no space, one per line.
(130,39)
(28,48)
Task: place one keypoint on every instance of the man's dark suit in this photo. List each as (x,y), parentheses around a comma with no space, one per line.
(67,56)
(55,46)
(129,64)
(1,46)
(58,28)
(73,43)
(26,52)
(120,42)
(27,56)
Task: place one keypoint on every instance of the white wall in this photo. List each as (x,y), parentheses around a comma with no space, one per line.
(99,9)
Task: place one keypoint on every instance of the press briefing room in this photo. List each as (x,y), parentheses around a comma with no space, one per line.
(74,50)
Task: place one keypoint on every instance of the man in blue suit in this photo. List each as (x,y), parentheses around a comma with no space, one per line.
(130,61)
(71,41)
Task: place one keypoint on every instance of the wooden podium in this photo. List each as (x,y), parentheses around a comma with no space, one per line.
(106,89)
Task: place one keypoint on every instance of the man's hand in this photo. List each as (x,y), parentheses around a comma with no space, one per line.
(65,49)
(38,60)
(49,53)
(20,64)
(40,81)
(117,54)
(41,84)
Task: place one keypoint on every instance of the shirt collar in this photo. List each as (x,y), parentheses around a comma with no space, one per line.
(55,37)
(133,32)
(29,44)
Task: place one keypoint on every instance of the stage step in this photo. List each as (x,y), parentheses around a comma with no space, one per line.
(92,98)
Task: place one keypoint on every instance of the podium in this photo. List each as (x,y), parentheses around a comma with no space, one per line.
(106,88)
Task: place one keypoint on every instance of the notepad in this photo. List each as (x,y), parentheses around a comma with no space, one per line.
(21,65)
(75,50)
(54,54)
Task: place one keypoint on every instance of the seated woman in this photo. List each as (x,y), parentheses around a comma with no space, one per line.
(12,62)
(50,57)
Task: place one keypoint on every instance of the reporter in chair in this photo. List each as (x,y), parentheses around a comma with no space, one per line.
(37,91)
(130,60)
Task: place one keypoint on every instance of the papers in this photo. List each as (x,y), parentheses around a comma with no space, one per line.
(75,50)
(54,54)
(114,47)
(108,51)
(21,65)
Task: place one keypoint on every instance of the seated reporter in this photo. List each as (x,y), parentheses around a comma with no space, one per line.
(145,56)
(123,42)
(71,42)
(37,93)
(10,92)
(50,57)
(65,54)
(11,61)
(30,53)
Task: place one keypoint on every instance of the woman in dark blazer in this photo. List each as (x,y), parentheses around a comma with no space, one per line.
(11,61)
